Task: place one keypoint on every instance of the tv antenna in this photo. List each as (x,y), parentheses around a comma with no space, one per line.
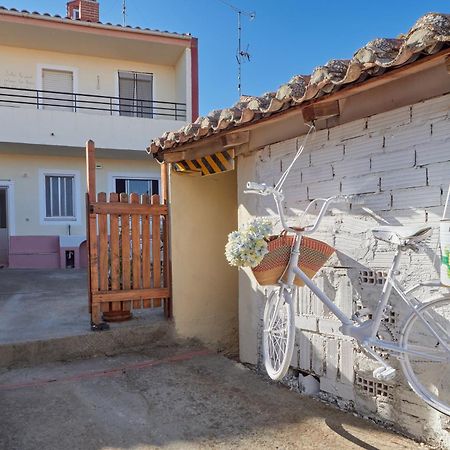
(124,12)
(241,55)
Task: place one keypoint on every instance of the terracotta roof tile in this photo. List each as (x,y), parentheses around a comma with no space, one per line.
(428,35)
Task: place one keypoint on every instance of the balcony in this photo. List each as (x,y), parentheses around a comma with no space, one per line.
(61,122)
(88,103)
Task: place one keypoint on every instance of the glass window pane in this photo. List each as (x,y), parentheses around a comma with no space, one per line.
(48,205)
(155,187)
(126,93)
(144,94)
(139,186)
(62,186)
(55,196)
(69,196)
(120,186)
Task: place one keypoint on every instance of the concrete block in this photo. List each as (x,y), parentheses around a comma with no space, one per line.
(350,166)
(348,130)
(440,129)
(329,326)
(393,161)
(317,173)
(404,178)
(282,148)
(439,174)
(433,151)
(304,351)
(318,353)
(347,372)
(407,137)
(303,161)
(327,154)
(308,384)
(363,146)
(360,185)
(323,189)
(308,323)
(376,202)
(416,197)
(332,359)
(345,391)
(431,109)
(389,119)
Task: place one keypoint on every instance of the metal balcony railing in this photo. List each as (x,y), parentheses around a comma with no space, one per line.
(101,104)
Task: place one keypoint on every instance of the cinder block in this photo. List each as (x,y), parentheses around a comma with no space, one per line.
(407,137)
(404,178)
(323,189)
(393,160)
(348,130)
(441,128)
(279,149)
(389,119)
(332,358)
(329,326)
(350,166)
(345,391)
(416,197)
(347,372)
(439,174)
(327,154)
(433,151)
(318,353)
(360,185)
(431,109)
(376,202)
(363,146)
(304,350)
(317,173)
(308,323)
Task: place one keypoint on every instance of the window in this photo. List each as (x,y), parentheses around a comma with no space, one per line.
(75,14)
(137,185)
(60,197)
(58,89)
(136,94)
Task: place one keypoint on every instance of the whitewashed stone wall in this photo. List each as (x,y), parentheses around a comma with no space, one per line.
(399,162)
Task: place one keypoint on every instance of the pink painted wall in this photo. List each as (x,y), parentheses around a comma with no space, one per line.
(42,252)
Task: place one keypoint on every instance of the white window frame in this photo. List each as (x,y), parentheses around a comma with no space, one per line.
(10,207)
(112,176)
(44,220)
(40,81)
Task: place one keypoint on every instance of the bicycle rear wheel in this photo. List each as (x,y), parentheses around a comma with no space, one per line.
(428,371)
(278,333)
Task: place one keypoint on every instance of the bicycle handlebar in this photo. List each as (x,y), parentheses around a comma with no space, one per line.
(263,189)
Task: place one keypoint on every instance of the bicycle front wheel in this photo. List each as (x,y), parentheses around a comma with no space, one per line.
(426,362)
(278,333)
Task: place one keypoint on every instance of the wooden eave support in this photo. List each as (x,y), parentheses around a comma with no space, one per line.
(318,111)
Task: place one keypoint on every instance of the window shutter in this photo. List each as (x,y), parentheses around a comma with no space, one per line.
(57,81)
(126,93)
(144,94)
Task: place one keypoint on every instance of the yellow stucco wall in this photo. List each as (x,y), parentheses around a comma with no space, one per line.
(205,287)
(95,75)
(25,173)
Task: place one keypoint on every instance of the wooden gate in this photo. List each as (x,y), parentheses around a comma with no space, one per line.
(128,251)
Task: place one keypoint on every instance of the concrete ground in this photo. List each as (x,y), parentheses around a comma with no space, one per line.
(176,397)
(49,304)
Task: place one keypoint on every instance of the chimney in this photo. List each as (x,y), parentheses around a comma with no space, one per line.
(86,10)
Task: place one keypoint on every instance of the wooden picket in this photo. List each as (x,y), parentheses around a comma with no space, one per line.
(128,240)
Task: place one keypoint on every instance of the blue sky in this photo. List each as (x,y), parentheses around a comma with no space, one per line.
(288,37)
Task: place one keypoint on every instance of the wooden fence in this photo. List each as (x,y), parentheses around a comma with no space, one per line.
(128,248)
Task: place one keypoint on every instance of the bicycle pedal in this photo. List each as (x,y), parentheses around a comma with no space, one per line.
(384,373)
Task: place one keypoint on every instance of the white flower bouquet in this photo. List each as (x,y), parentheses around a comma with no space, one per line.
(247,246)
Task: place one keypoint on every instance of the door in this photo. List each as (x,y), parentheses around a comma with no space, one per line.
(4,238)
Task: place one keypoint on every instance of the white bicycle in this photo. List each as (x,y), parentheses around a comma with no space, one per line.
(423,347)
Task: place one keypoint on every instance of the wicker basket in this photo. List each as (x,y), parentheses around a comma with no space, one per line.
(313,255)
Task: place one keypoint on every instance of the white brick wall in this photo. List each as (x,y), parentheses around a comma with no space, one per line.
(399,162)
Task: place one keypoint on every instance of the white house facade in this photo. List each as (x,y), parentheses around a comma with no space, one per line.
(64,80)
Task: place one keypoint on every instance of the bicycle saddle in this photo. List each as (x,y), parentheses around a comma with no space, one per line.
(400,235)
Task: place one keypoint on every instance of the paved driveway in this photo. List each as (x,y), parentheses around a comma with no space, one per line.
(175,397)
